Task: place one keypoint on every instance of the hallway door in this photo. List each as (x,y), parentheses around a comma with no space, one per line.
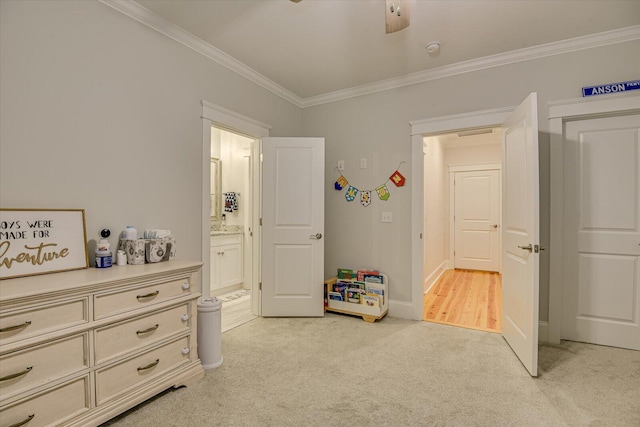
(520,233)
(293,227)
(476,220)
(601,293)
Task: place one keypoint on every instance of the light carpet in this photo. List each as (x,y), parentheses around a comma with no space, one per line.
(341,371)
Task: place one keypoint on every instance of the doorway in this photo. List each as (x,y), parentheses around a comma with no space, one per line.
(220,118)
(462,228)
(231,254)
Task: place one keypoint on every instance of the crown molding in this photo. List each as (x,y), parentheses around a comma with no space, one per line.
(541,51)
(142,14)
(147,17)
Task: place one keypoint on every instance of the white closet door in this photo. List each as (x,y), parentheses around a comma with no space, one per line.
(601,293)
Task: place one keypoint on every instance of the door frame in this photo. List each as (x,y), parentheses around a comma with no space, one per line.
(560,112)
(215,115)
(420,129)
(472,168)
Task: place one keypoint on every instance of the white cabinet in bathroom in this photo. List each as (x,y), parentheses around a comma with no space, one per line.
(226,260)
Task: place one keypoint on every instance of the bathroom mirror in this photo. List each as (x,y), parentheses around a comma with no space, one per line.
(216,192)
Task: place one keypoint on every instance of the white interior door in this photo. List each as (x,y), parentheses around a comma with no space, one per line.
(601,292)
(477,220)
(520,233)
(292,227)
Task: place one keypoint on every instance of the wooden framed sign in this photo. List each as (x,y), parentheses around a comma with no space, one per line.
(39,241)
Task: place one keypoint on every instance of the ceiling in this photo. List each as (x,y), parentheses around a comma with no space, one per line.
(318,47)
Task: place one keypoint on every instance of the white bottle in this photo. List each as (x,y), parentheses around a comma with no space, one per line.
(130,233)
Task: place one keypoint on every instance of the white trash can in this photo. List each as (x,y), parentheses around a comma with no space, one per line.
(210,332)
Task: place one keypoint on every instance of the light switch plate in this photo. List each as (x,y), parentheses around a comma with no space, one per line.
(363,163)
(386,217)
(340,165)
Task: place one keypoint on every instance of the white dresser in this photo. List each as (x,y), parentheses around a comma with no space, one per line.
(80,347)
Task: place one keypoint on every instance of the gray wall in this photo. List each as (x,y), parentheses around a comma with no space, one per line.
(103,113)
(377,127)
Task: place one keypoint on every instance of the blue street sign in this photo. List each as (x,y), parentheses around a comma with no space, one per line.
(611,88)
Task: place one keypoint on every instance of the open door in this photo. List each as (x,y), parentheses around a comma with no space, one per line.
(520,233)
(292,227)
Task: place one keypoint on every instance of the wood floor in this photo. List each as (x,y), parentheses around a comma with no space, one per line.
(469,299)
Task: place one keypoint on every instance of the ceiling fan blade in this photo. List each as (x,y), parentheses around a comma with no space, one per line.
(295,1)
(396,16)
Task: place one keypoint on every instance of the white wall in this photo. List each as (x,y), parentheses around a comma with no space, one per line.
(435,208)
(233,149)
(98,111)
(377,126)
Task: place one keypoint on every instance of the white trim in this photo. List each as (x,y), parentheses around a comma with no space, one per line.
(401,309)
(471,168)
(456,122)
(160,24)
(560,112)
(435,275)
(444,124)
(213,114)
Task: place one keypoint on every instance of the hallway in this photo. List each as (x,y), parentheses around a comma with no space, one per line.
(466,298)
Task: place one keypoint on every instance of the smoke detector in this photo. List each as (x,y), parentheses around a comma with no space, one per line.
(433,48)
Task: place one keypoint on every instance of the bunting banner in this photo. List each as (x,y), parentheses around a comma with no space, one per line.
(365,195)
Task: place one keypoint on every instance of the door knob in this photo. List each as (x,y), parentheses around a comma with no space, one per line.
(494,225)
(527,247)
(316,236)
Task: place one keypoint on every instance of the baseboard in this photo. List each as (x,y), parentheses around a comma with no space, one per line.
(434,276)
(401,309)
(543,331)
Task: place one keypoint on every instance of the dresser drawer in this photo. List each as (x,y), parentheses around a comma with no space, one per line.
(33,367)
(37,320)
(119,378)
(51,408)
(109,304)
(125,337)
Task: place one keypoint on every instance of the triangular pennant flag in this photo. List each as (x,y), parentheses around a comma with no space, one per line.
(341,183)
(383,192)
(365,198)
(350,195)
(397,179)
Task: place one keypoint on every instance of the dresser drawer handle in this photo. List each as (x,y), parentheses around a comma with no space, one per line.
(21,423)
(149,366)
(146,331)
(14,327)
(17,374)
(150,295)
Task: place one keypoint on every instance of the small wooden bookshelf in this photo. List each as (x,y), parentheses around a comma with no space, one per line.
(368,314)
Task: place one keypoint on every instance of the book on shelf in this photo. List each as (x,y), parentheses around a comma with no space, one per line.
(375,288)
(371,300)
(346,273)
(374,278)
(354,295)
(336,296)
(361,273)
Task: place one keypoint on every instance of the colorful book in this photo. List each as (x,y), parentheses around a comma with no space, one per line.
(345,273)
(361,274)
(374,278)
(370,300)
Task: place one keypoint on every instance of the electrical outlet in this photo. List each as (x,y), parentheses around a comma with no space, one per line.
(340,165)
(363,163)
(386,217)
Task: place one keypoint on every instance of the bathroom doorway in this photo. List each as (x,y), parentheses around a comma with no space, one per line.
(462,216)
(231,229)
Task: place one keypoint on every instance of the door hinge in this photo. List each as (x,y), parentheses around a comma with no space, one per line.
(260,286)
(536,248)
(260,222)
